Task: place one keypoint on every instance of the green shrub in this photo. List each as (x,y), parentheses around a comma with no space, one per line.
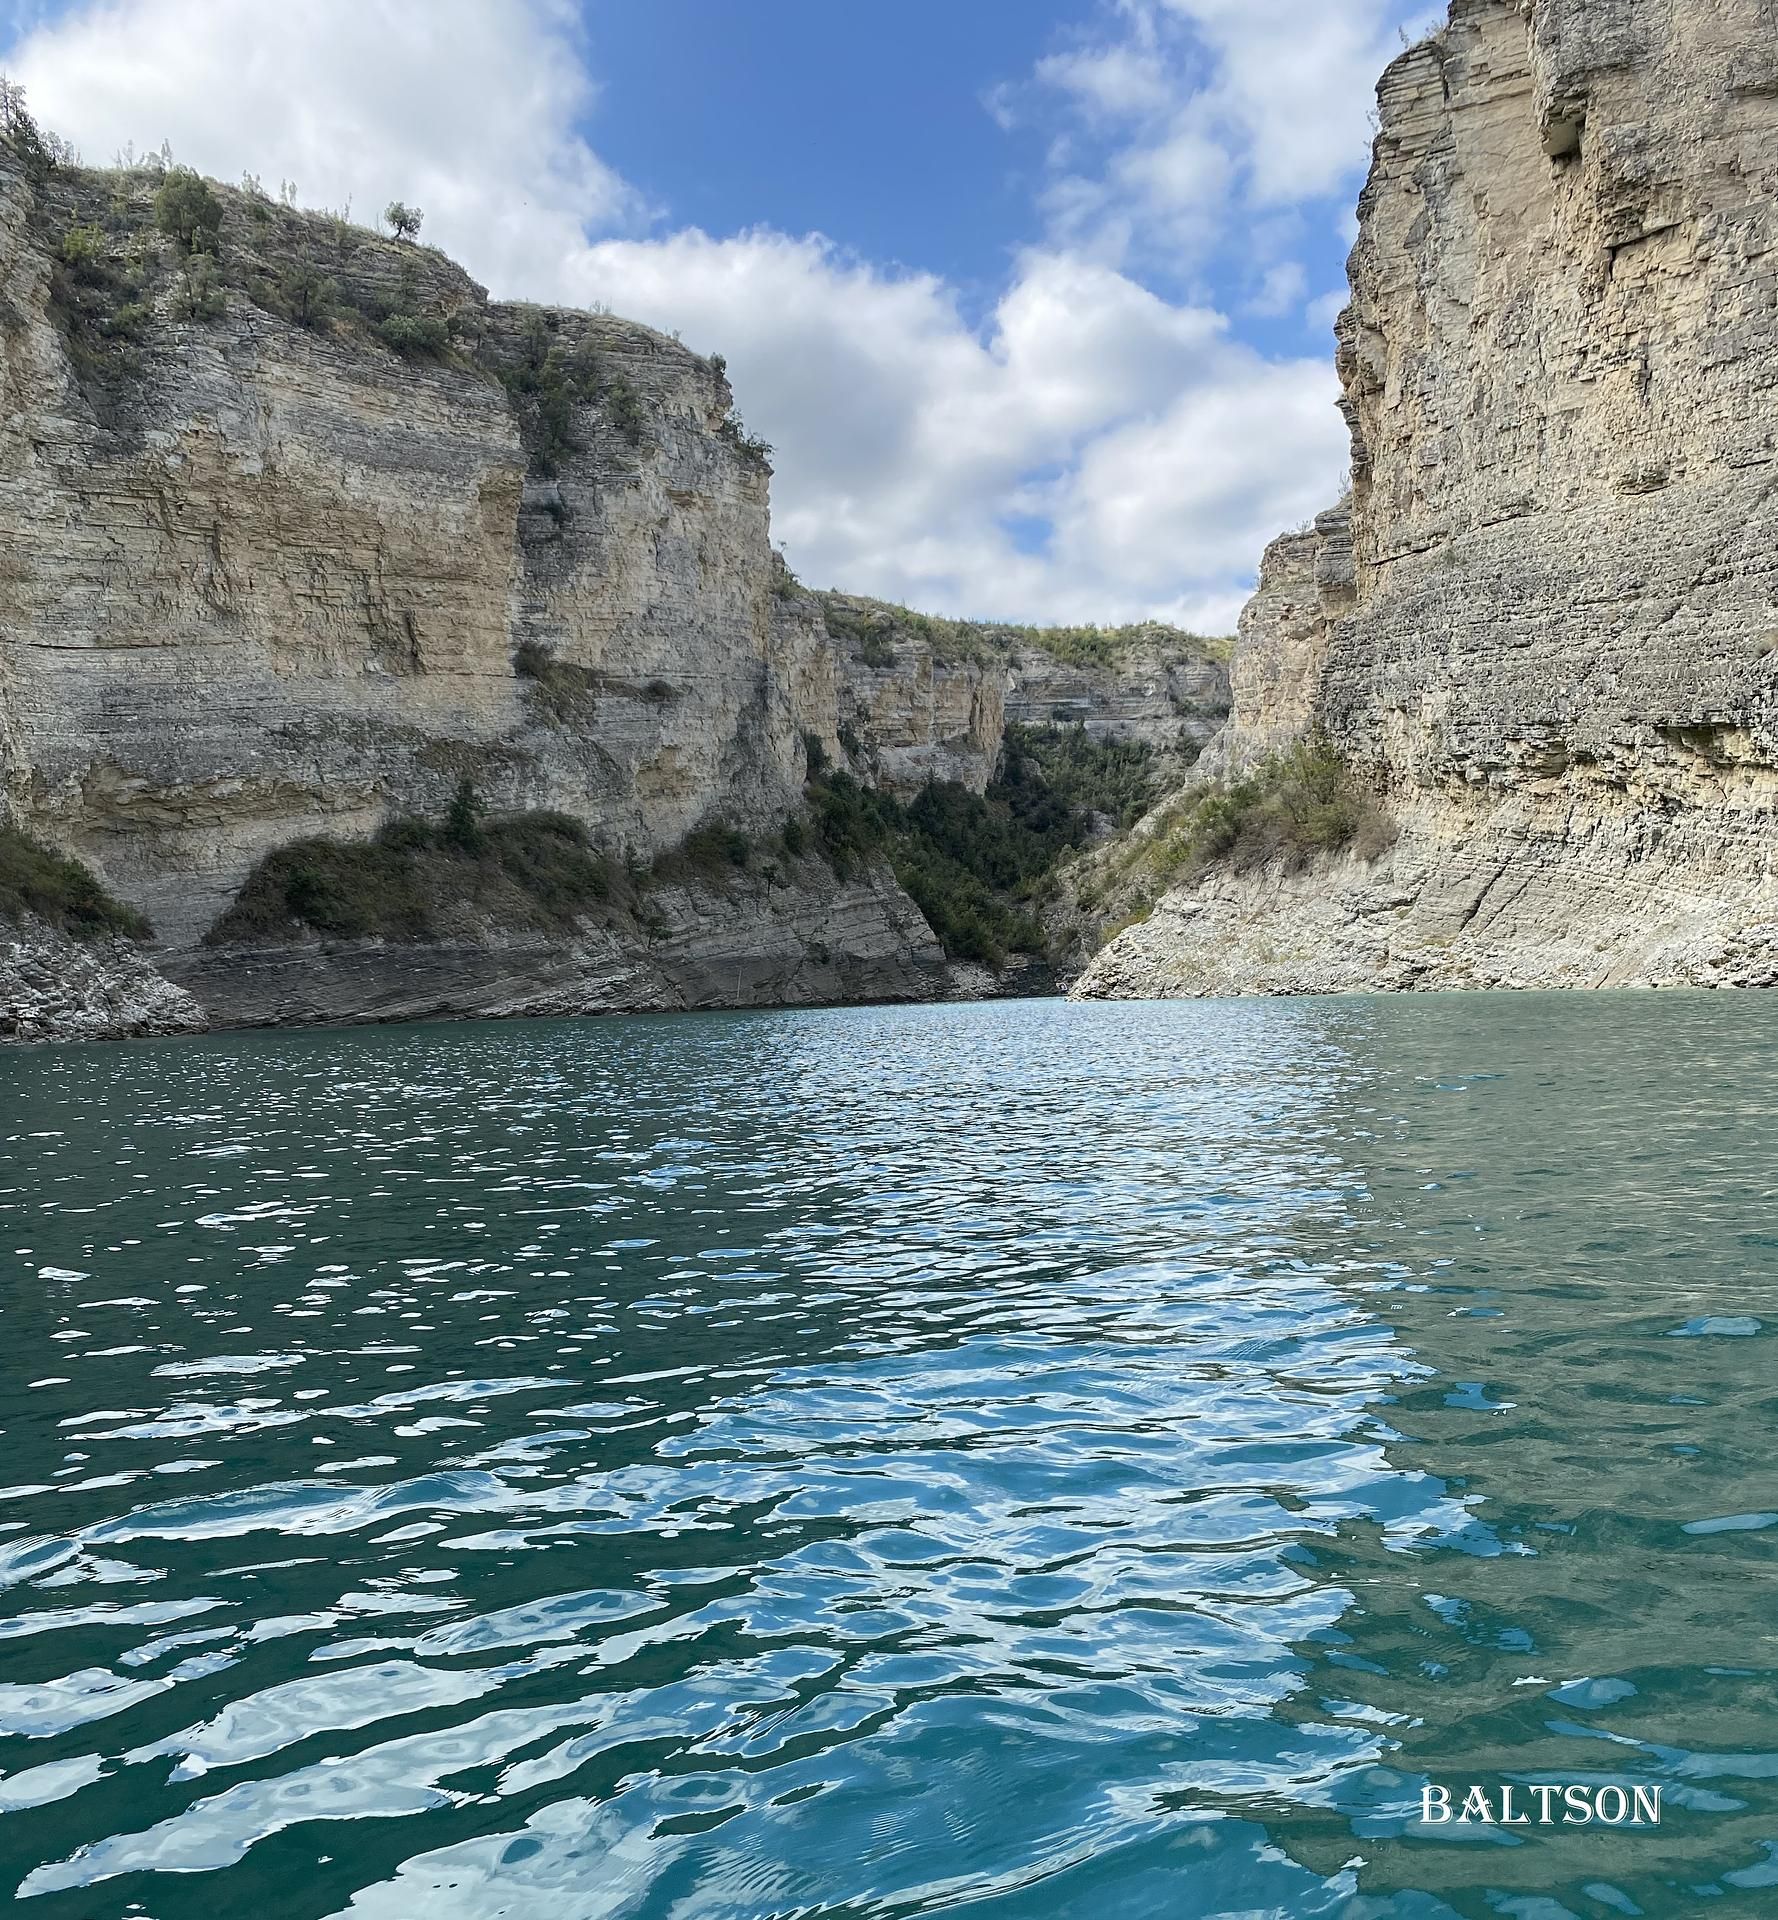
(83,251)
(550,384)
(712,851)
(99,304)
(402,220)
(1297,804)
(561,690)
(414,334)
(627,411)
(463,819)
(38,153)
(36,879)
(977,864)
(754,451)
(186,209)
(198,293)
(1116,778)
(953,641)
(305,294)
(413,881)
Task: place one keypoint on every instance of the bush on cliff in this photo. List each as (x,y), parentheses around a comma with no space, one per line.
(35,879)
(1295,805)
(187,211)
(714,851)
(549,384)
(414,334)
(416,881)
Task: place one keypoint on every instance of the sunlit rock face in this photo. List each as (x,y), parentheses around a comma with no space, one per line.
(271,580)
(1546,621)
(266,580)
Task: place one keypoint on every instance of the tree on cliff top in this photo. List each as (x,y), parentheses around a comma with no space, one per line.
(402,220)
(39,153)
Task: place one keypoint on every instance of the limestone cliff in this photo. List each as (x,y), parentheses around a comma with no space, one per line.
(1545,625)
(264,578)
(921,698)
(302,533)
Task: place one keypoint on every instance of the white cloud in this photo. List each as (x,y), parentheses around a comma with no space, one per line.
(466,108)
(1325,309)
(1116,80)
(1281,289)
(1091,450)
(906,440)
(1264,103)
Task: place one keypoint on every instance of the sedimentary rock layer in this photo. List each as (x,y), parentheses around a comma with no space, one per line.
(301,536)
(1546,622)
(56,988)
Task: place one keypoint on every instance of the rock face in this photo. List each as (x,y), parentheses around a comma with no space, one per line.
(1546,621)
(288,580)
(300,537)
(908,708)
(55,988)
(805,940)
(1164,688)
(923,699)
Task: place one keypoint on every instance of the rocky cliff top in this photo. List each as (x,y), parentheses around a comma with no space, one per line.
(118,278)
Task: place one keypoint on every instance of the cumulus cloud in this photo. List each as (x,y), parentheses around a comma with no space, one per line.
(1159,453)
(468,108)
(1211,111)
(1090,449)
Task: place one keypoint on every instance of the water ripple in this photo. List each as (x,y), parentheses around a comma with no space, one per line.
(1028,1459)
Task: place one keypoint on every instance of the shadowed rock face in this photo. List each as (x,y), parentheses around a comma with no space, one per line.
(921,699)
(1546,620)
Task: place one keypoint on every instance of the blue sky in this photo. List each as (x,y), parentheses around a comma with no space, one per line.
(1033,296)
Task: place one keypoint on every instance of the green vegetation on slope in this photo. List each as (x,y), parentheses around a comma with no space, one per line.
(1294,806)
(872,625)
(36,879)
(414,881)
(977,865)
(549,381)
(147,238)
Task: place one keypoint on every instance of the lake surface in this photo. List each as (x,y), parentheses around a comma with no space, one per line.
(1023,1460)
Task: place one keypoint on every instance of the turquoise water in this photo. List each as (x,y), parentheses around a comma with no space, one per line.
(1021,1460)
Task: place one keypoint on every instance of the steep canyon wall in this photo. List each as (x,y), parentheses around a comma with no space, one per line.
(298,537)
(1544,626)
